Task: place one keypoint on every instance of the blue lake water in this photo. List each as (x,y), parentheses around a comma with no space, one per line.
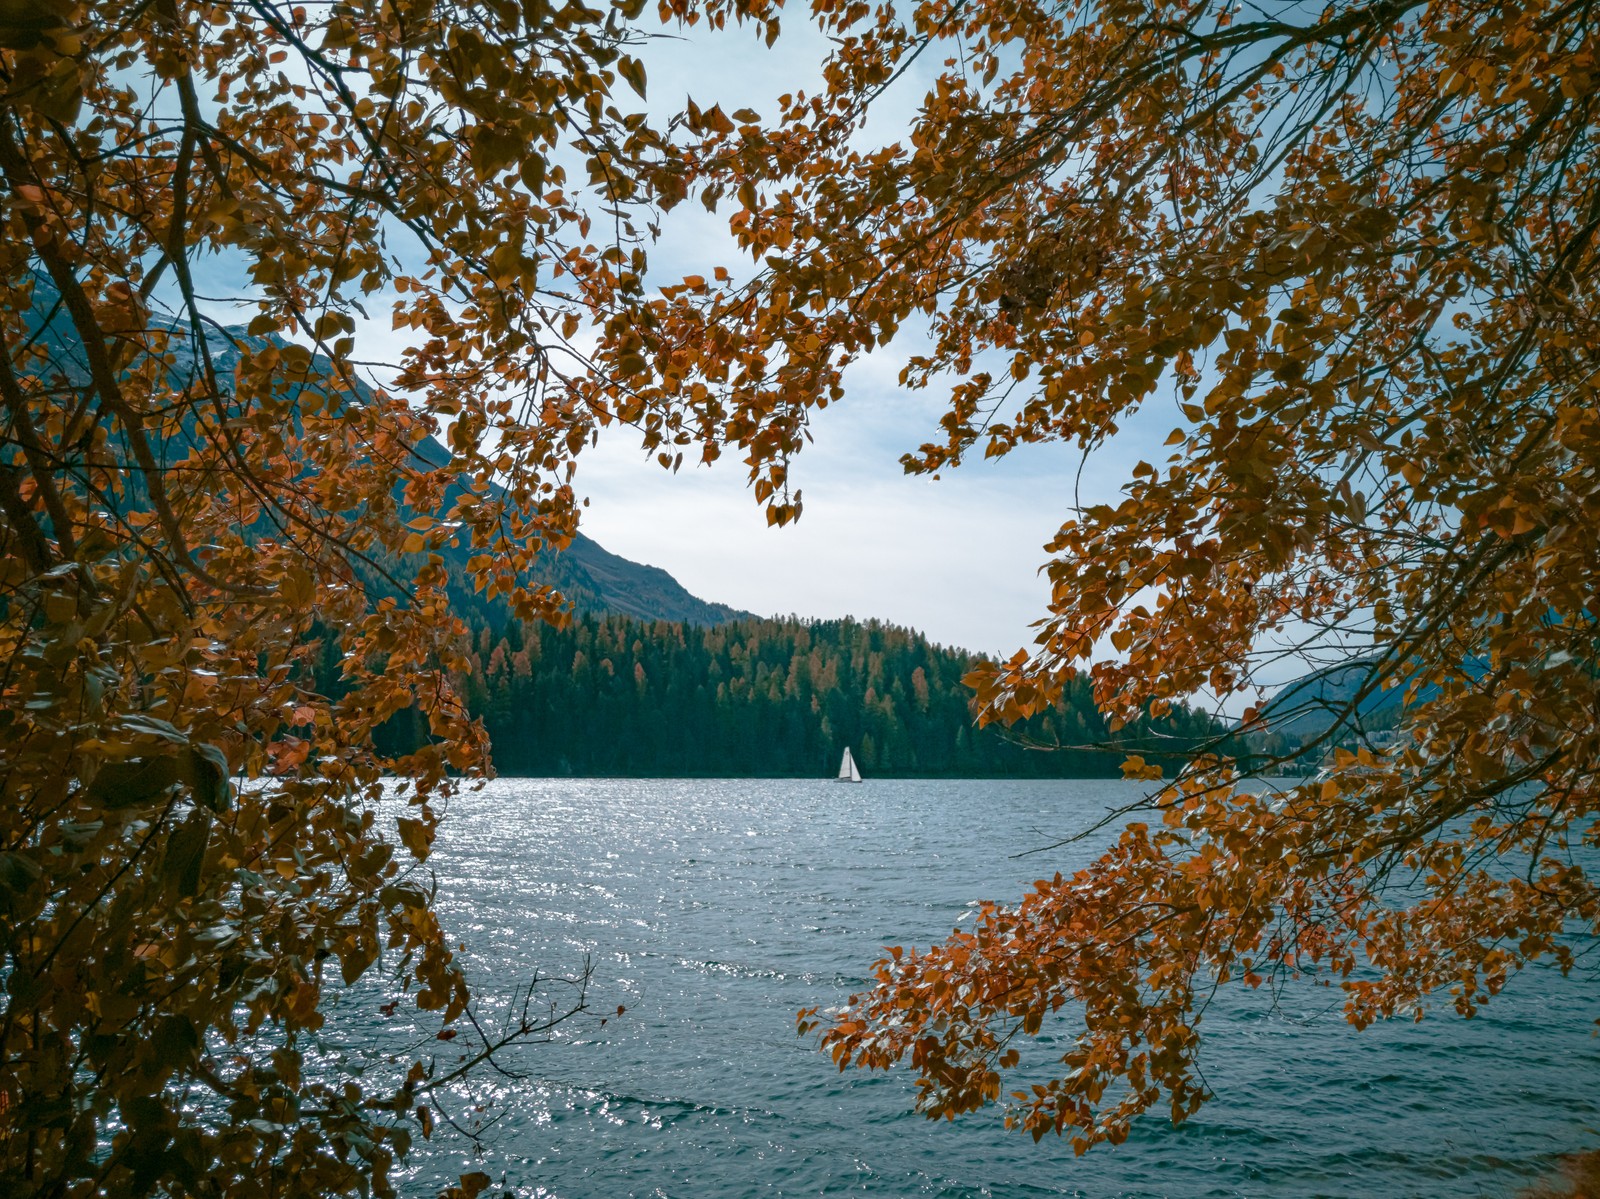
(713,910)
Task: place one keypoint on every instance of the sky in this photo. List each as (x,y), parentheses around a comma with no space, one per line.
(957,558)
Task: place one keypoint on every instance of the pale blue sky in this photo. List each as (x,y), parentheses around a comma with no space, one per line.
(957,558)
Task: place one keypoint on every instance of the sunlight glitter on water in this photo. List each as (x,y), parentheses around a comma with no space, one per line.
(714,910)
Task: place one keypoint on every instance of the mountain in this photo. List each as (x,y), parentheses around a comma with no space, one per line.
(1314,702)
(596,580)
(590,576)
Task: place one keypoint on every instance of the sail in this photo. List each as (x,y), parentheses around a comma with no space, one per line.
(847,768)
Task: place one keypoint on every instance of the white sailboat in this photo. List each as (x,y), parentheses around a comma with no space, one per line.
(847,768)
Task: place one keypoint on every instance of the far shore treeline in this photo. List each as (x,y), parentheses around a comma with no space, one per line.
(615,695)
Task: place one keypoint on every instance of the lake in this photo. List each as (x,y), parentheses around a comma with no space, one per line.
(714,910)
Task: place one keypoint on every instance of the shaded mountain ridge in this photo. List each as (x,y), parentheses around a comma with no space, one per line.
(591,577)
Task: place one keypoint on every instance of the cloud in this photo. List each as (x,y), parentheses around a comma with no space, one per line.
(948,557)
(957,558)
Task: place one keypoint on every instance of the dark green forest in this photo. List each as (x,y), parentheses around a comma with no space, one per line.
(614,695)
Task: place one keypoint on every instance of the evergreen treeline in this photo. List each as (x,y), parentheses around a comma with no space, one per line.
(612,695)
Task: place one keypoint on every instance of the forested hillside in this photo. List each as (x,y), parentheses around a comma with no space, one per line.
(609,695)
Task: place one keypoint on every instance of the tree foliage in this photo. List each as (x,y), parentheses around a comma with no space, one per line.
(193,519)
(1355,244)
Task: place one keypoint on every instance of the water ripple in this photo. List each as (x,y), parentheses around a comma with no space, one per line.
(713,910)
